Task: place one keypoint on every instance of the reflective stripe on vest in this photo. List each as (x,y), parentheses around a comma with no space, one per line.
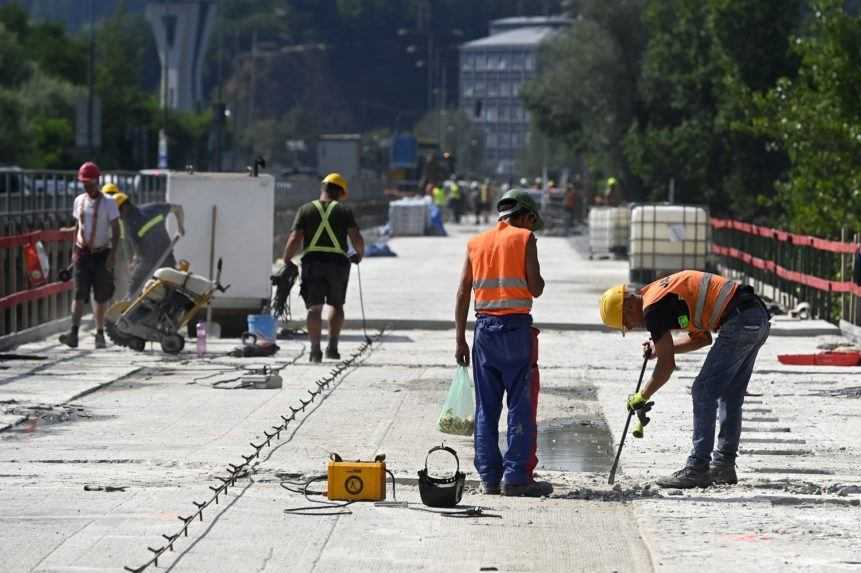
(314,246)
(498,261)
(149,225)
(706,296)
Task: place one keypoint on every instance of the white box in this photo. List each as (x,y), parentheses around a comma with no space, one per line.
(244,230)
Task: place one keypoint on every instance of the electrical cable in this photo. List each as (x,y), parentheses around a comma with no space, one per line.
(320,507)
(362,303)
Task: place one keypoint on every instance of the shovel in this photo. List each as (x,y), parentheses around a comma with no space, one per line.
(213,329)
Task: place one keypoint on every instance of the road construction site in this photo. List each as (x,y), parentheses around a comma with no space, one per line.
(109,459)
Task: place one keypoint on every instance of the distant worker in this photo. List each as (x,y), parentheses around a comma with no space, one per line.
(699,303)
(125,249)
(97,232)
(147,232)
(455,198)
(439,198)
(612,194)
(502,268)
(569,204)
(320,233)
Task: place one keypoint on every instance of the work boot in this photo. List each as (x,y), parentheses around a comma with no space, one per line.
(332,353)
(315,356)
(70,339)
(723,474)
(490,489)
(100,339)
(686,478)
(531,489)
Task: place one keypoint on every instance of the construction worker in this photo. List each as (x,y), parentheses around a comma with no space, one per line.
(125,250)
(320,232)
(439,198)
(699,303)
(612,194)
(502,268)
(455,198)
(147,232)
(97,232)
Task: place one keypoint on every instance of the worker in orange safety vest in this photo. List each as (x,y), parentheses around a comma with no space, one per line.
(502,269)
(698,303)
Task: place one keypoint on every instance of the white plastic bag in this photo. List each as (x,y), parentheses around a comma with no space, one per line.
(458,411)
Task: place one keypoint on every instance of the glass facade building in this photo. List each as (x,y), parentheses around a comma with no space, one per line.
(492,71)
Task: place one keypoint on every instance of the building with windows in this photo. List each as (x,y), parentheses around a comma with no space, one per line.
(492,71)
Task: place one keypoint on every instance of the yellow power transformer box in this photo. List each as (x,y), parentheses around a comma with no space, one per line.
(356,481)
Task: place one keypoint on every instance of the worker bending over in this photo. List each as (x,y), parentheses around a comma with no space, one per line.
(320,232)
(145,228)
(699,303)
(502,268)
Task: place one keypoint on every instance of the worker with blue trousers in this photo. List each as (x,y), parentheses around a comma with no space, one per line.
(502,269)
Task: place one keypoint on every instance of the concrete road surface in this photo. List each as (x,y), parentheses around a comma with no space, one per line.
(102,451)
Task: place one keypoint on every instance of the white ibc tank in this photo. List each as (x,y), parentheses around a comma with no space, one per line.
(408,217)
(666,239)
(608,229)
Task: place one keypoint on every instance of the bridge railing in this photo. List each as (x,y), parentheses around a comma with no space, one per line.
(794,268)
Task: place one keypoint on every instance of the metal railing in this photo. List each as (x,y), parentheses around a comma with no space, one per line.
(34,206)
(793,268)
(36,200)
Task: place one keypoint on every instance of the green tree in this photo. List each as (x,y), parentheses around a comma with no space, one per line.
(585,98)
(816,119)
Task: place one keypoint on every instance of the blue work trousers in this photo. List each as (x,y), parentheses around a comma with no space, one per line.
(505,363)
(719,389)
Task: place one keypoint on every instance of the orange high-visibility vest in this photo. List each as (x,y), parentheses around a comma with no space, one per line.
(706,295)
(498,259)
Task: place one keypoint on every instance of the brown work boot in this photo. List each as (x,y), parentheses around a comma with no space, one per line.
(722,474)
(531,489)
(686,478)
(70,339)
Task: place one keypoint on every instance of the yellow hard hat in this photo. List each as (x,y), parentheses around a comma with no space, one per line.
(611,182)
(110,189)
(611,307)
(336,179)
(120,198)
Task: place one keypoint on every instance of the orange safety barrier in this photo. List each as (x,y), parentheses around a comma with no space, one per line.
(783,236)
(44,291)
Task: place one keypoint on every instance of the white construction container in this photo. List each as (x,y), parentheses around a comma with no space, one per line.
(242,233)
(608,230)
(408,217)
(666,239)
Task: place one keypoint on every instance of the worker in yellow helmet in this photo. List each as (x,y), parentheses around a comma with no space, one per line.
(320,233)
(699,303)
(146,231)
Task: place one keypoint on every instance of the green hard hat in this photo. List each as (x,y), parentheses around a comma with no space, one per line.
(516,200)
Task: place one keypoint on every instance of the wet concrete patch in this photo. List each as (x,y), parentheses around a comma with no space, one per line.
(566,445)
(586,393)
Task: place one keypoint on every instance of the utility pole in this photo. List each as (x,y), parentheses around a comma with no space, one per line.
(91,80)
(253,78)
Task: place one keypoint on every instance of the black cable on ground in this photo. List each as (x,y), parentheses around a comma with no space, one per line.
(243,469)
(320,507)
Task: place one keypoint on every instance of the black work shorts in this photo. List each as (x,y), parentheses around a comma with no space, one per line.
(91,273)
(324,283)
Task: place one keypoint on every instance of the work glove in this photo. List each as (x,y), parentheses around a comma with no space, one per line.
(355,258)
(638,405)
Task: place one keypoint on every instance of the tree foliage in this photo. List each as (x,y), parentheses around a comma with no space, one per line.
(816,119)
